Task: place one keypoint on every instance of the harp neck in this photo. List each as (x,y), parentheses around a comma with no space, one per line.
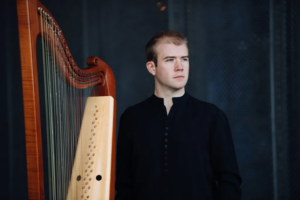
(98,73)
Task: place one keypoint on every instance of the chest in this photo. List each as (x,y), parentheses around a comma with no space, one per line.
(179,130)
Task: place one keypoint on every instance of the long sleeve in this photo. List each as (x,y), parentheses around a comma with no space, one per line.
(124,173)
(223,159)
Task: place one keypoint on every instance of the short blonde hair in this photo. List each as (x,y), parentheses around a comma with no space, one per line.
(169,36)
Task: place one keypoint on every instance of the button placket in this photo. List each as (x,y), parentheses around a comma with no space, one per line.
(166,145)
(166,148)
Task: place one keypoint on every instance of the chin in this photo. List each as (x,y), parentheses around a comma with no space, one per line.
(178,87)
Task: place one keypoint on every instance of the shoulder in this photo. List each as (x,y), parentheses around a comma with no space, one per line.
(203,106)
(136,109)
(210,112)
(205,109)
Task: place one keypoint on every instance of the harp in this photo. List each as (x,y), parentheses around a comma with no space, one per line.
(83,143)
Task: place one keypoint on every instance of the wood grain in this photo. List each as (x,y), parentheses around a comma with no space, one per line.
(95,152)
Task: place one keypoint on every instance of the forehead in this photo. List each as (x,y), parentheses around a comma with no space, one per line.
(164,49)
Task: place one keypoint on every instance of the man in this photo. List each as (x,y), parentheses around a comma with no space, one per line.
(172,146)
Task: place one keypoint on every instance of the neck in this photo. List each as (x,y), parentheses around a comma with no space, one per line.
(167,95)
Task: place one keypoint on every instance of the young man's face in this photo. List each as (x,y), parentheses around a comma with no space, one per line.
(172,65)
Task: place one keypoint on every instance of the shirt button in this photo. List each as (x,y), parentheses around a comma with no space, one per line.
(166,140)
(166,164)
(166,146)
(166,170)
(166,152)
(166,158)
(167,128)
(166,134)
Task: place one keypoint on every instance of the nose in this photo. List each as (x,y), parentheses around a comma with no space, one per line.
(178,65)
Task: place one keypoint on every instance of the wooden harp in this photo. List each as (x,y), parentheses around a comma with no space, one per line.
(86,163)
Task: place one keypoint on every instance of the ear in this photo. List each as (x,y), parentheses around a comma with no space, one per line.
(151,67)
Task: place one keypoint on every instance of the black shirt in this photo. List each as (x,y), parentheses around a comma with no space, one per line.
(186,155)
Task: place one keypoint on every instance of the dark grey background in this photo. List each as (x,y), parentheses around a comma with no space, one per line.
(244,57)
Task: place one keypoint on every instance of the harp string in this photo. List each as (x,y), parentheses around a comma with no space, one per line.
(47,111)
(64,109)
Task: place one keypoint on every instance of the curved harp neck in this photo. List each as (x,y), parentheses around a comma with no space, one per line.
(33,16)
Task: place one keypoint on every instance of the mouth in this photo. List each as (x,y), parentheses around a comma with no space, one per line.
(179,77)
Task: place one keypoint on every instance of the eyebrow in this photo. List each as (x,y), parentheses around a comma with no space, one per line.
(167,57)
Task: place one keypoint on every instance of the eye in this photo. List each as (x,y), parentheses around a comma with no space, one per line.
(185,59)
(169,60)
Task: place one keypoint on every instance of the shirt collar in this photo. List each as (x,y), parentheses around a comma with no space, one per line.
(160,101)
